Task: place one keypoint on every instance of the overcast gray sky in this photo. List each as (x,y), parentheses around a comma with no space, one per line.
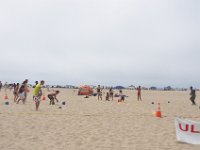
(108,42)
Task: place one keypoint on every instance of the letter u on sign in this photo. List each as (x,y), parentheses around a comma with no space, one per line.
(186,127)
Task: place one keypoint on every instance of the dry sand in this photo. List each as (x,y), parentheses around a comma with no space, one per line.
(89,124)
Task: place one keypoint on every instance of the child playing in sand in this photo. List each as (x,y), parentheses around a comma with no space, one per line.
(21,95)
(52,96)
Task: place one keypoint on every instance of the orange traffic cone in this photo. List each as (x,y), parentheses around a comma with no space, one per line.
(5,97)
(43,98)
(158,113)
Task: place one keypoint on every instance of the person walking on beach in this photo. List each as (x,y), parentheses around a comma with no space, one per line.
(21,95)
(26,90)
(37,94)
(193,95)
(139,97)
(16,92)
(99,92)
(1,85)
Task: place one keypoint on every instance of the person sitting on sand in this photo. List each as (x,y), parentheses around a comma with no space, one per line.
(21,95)
(52,96)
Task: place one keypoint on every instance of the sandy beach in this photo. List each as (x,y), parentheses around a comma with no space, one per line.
(91,124)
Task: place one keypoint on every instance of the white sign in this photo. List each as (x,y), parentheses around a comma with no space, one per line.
(187,131)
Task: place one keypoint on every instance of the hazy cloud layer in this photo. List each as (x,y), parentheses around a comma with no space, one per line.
(139,42)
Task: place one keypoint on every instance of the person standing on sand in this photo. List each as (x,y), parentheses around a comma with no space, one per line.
(193,95)
(16,92)
(139,97)
(99,92)
(1,85)
(122,96)
(21,95)
(111,93)
(37,94)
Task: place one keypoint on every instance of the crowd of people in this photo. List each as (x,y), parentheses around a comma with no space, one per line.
(20,92)
(110,94)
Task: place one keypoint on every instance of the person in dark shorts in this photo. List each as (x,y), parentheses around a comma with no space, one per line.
(52,96)
(193,95)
